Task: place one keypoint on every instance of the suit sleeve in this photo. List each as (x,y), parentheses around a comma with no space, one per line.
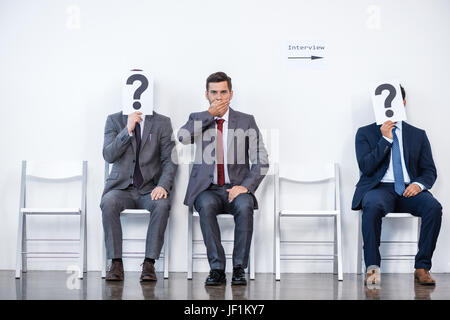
(169,158)
(369,159)
(115,142)
(196,124)
(427,169)
(258,158)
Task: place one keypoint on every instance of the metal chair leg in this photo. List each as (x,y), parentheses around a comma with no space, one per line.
(82,245)
(19,246)
(104,259)
(166,251)
(190,245)
(339,248)
(277,247)
(24,245)
(359,255)
(252,255)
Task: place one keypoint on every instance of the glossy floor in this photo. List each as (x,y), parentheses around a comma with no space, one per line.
(62,285)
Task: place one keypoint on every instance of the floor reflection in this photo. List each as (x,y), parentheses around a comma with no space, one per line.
(423,292)
(216,292)
(112,290)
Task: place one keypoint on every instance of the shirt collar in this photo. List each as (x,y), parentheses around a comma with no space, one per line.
(399,125)
(224,117)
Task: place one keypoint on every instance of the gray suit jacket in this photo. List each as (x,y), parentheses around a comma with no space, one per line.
(155,157)
(244,145)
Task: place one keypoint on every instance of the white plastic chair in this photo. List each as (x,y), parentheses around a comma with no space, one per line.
(308,178)
(46,172)
(137,213)
(222,216)
(360,256)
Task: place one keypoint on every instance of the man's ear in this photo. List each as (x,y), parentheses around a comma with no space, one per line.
(231,94)
(404,102)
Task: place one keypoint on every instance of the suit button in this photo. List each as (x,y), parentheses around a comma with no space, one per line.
(134,161)
(211,175)
(131,177)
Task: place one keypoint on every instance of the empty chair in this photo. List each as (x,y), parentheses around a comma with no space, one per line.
(137,213)
(58,173)
(331,173)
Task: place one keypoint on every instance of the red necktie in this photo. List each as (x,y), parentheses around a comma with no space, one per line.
(220,168)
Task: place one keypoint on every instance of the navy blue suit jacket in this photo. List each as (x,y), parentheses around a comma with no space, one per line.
(373,155)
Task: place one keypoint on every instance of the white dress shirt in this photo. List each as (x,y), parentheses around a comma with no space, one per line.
(225,145)
(389,175)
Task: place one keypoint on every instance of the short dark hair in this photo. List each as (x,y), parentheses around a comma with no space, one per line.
(403,92)
(218,77)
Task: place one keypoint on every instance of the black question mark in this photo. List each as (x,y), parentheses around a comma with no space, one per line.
(139,90)
(389,98)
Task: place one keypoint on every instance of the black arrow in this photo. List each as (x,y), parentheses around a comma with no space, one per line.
(312,57)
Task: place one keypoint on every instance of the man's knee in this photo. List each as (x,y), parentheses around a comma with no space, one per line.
(434,209)
(161,205)
(110,204)
(244,203)
(373,210)
(206,203)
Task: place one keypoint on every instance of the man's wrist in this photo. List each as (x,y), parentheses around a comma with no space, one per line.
(421,186)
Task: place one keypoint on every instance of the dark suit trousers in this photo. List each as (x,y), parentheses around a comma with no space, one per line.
(214,201)
(115,201)
(382,200)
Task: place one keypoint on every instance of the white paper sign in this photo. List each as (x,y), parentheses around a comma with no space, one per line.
(137,92)
(388,102)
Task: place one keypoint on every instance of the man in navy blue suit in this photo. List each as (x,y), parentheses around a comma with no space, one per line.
(397,170)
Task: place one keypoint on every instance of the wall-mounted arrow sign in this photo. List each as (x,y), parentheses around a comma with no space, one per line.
(302,53)
(311,57)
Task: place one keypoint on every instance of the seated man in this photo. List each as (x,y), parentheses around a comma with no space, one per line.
(142,176)
(397,169)
(222,179)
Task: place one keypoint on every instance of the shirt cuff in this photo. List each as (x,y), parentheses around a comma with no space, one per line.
(420,185)
(389,140)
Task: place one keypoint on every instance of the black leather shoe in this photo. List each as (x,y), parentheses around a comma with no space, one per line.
(238,277)
(115,273)
(148,272)
(216,278)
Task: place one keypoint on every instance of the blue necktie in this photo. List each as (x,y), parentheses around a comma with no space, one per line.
(399,184)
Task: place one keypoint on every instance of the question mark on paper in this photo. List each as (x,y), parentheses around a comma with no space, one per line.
(388,102)
(139,90)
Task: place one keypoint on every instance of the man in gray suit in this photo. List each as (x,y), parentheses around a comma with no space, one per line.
(140,149)
(222,179)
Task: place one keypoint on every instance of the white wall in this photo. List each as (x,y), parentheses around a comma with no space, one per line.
(58,82)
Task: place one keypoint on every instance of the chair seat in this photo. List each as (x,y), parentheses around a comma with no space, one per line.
(312,213)
(135,211)
(62,211)
(399,215)
(221,215)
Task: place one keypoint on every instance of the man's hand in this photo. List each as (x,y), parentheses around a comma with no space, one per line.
(412,190)
(235,191)
(158,193)
(386,129)
(132,119)
(219,107)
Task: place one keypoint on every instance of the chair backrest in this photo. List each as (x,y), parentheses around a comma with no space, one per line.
(307,175)
(54,172)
